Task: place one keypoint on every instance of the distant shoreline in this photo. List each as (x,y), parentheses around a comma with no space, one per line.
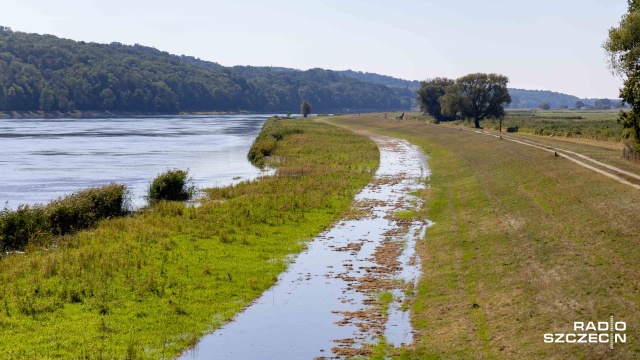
(97,114)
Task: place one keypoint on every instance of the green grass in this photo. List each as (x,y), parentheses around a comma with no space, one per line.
(148,286)
(524,243)
(577,124)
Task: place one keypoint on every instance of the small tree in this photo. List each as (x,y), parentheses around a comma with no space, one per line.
(477,96)
(579,104)
(544,106)
(305,108)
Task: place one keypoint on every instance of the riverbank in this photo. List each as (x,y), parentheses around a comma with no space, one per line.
(151,285)
(97,114)
(524,244)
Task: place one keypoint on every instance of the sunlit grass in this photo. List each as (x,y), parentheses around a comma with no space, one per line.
(150,285)
(524,243)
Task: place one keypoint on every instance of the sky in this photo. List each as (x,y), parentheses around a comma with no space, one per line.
(539,45)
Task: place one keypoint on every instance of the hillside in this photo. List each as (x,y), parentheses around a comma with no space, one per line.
(44,72)
(373,78)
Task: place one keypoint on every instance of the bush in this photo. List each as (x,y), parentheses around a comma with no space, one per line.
(173,185)
(62,216)
(85,208)
(19,227)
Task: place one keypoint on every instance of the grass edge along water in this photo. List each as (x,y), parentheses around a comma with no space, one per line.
(150,285)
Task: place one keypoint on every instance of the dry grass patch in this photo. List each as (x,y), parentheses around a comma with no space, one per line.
(524,243)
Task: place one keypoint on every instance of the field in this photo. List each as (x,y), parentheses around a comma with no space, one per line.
(148,286)
(583,124)
(524,243)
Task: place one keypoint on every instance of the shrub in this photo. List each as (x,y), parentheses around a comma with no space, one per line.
(62,216)
(172,185)
(19,227)
(85,208)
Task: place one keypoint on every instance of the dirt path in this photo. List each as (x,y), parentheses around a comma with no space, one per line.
(348,288)
(620,175)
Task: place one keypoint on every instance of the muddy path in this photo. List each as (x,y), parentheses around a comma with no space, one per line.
(349,288)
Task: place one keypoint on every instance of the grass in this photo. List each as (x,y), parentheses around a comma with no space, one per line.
(581,124)
(524,243)
(148,286)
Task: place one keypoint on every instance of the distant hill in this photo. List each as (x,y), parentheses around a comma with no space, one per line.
(381,79)
(523,99)
(44,72)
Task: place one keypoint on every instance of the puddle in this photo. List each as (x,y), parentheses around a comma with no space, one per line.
(326,305)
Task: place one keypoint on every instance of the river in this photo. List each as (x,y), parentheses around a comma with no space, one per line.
(42,159)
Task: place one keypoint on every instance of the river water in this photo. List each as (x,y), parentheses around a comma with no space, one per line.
(42,159)
(325,305)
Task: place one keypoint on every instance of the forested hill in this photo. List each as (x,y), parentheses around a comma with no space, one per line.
(533,98)
(373,78)
(340,92)
(44,72)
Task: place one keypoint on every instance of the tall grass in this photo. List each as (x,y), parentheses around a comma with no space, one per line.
(265,144)
(63,216)
(147,286)
(587,124)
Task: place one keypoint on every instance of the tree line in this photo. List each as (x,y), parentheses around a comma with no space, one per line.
(44,72)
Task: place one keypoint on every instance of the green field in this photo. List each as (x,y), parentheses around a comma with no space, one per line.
(524,243)
(581,124)
(149,285)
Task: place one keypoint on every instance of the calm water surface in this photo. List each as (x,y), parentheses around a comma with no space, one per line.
(43,159)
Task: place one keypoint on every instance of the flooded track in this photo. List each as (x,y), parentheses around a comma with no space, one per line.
(348,288)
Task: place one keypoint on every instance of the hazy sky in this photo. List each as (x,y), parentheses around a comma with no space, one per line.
(544,44)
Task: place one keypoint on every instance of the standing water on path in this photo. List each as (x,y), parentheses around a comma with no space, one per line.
(347,289)
(42,159)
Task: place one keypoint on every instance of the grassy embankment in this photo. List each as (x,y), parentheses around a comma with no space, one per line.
(524,243)
(148,286)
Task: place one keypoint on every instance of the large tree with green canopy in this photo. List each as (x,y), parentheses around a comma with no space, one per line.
(623,47)
(477,96)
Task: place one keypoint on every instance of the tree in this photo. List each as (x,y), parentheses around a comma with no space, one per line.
(428,94)
(579,104)
(477,96)
(305,108)
(544,106)
(623,48)
(108,98)
(603,104)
